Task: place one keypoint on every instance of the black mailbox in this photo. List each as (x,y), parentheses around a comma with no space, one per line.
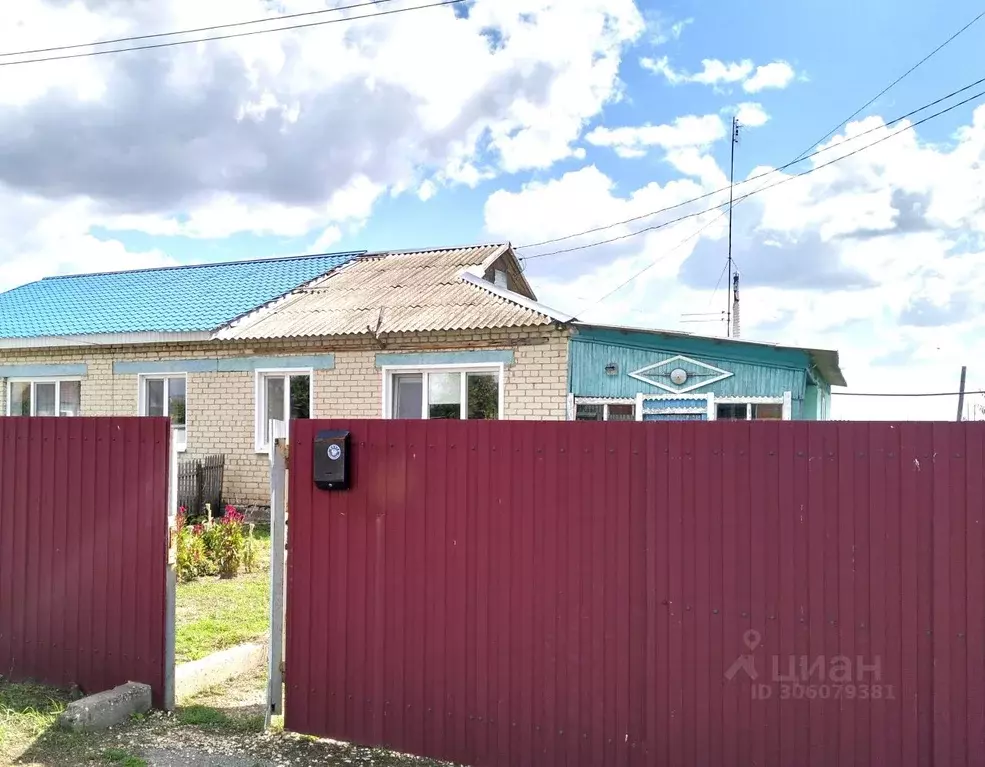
(332,460)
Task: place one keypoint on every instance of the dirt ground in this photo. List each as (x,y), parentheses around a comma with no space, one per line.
(217,728)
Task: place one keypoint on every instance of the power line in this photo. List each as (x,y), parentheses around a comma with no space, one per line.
(799,158)
(901,394)
(228,37)
(647,268)
(746,196)
(694,234)
(214,27)
(749,180)
(894,83)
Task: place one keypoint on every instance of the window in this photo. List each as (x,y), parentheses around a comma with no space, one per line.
(444,394)
(605,412)
(731,412)
(282,395)
(745,411)
(764,412)
(166,396)
(44,398)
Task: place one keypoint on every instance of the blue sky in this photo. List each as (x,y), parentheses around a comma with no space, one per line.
(529,120)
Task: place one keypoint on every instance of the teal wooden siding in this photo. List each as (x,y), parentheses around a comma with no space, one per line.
(812,406)
(756,371)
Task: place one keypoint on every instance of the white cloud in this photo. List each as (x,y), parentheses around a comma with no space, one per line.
(290,121)
(751,114)
(778,74)
(690,131)
(661,30)
(327,239)
(881,256)
(714,72)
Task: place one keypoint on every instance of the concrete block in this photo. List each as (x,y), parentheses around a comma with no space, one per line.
(215,669)
(106,709)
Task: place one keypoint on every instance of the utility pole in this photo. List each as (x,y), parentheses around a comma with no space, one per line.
(731,183)
(964,373)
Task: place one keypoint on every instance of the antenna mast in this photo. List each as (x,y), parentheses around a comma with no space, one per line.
(731,183)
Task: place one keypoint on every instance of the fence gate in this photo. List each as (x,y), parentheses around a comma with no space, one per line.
(84,594)
(727,593)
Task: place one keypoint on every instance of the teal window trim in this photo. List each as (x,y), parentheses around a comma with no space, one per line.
(462,358)
(164,367)
(251,364)
(44,371)
(224,365)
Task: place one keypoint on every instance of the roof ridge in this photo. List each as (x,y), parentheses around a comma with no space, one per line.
(511,296)
(411,251)
(180,267)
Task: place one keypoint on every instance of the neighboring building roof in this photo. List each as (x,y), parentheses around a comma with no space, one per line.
(175,299)
(824,360)
(406,291)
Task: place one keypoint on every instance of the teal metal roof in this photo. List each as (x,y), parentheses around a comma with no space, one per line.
(175,299)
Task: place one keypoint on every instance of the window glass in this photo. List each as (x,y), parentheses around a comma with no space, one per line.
(155,397)
(589,412)
(483,396)
(772,412)
(300,397)
(731,412)
(275,404)
(408,391)
(445,395)
(176,401)
(70,396)
(622,412)
(20,398)
(44,394)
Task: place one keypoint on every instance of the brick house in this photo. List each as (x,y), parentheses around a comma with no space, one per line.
(222,348)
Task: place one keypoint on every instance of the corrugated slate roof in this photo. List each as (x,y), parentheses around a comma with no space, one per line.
(170,299)
(405,291)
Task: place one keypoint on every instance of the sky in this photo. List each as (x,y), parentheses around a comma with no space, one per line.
(532,120)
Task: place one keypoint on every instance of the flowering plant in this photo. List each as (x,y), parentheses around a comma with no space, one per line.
(214,547)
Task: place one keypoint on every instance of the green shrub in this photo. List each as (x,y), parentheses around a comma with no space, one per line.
(214,548)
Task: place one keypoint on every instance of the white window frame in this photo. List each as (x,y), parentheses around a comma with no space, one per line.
(57,380)
(389,371)
(604,401)
(260,399)
(181,445)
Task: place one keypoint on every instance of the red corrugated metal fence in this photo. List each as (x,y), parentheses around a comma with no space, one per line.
(83,549)
(737,593)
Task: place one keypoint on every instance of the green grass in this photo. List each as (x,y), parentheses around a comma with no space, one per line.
(214,614)
(26,712)
(124,758)
(214,718)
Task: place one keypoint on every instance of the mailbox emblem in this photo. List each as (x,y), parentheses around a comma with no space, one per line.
(334,452)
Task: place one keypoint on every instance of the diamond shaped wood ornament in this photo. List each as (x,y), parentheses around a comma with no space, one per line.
(699,374)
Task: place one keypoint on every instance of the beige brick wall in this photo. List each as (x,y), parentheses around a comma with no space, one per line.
(220,406)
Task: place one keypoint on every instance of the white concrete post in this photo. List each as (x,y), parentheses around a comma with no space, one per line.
(278,537)
(787,406)
(639,406)
(171,575)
